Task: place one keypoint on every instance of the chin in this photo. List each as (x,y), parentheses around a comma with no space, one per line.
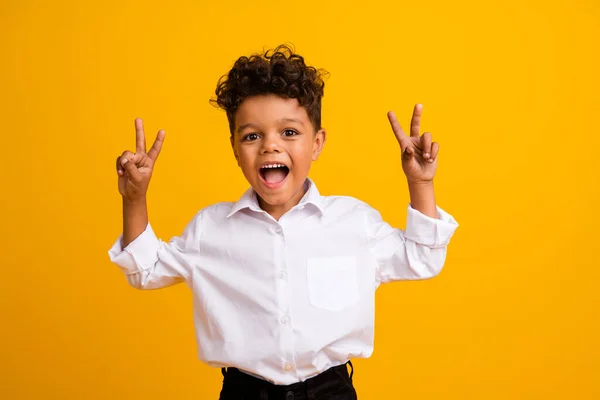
(281,195)
(275,199)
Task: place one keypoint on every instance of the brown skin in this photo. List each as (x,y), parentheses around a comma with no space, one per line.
(135,171)
(419,162)
(271,128)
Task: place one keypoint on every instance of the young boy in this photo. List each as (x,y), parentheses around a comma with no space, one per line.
(284,279)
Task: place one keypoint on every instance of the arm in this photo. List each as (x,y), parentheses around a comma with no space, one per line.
(422,198)
(135,219)
(419,162)
(420,251)
(150,263)
(147,262)
(134,171)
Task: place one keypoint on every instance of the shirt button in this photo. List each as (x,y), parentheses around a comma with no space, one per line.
(278,230)
(285,319)
(288,366)
(282,275)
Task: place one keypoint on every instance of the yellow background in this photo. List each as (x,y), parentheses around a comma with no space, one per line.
(509,88)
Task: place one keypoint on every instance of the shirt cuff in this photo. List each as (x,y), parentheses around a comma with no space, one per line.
(140,254)
(431,232)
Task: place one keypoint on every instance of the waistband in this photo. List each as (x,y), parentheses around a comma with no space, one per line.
(244,378)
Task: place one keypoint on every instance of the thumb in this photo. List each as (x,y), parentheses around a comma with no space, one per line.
(131,170)
(408,152)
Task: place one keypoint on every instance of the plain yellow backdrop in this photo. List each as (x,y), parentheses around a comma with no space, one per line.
(509,88)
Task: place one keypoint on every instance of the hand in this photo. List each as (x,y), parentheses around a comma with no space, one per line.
(135,170)
(419,154)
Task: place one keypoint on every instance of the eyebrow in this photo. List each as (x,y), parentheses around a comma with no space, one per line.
(251,125)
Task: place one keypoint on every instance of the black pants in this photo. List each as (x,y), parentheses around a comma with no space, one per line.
(333,384)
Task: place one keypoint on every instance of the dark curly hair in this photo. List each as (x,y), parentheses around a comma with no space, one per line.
(278,71)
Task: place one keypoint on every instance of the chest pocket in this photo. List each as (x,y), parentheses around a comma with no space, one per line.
(332,282)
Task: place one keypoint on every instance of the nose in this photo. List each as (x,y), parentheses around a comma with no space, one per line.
(270,144)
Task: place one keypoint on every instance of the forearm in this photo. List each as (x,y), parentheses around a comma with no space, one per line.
(422,198)
(135,219)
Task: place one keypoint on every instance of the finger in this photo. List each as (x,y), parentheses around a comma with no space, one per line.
(400,135)
(157,145)
(140,139)
(415,122)
(132,170)
(426,143)
(126,155)
(435,148)
(415,145)
(408,152)
(120,170)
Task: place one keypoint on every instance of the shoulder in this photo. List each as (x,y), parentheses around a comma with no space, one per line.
(342,205)
(216,211)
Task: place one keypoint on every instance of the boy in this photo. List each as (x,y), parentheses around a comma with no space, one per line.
(283,280)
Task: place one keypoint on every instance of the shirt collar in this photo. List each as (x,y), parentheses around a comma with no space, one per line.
(249,199)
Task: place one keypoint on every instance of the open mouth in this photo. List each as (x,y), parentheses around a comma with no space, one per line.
(273,174)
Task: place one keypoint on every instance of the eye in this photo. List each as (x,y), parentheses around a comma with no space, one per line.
(289,132)
(250,137)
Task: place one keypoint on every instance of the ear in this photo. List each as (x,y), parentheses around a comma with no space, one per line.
(232,141)
(318,143)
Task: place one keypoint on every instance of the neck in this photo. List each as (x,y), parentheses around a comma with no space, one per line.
(277,210)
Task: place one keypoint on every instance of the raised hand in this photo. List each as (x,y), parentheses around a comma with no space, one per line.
(419,153)
(135,169)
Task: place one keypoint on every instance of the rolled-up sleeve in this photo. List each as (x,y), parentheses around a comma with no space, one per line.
(419,252)
(150,263)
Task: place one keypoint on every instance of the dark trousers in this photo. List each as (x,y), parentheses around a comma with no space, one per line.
(333,384)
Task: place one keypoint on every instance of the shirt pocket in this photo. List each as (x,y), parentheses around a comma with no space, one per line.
(332,282)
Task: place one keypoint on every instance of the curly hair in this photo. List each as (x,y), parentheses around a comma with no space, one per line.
(278,71)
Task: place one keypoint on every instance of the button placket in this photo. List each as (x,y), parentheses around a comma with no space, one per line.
(283,298)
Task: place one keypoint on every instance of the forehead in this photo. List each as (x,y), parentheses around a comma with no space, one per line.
(269,109)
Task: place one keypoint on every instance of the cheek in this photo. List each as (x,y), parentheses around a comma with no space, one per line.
(245,161)
(303,158)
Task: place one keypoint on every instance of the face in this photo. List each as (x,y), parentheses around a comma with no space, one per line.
(275,143)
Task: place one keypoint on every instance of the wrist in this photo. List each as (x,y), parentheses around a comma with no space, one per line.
(422,197)
(134,202)
(417,183)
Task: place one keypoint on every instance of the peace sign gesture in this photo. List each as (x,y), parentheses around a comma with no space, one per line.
(419,154)
(135,169)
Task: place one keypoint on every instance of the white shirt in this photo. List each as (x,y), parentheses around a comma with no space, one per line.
(288,299)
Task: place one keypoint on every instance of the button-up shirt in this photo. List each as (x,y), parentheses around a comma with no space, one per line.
(286,299)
